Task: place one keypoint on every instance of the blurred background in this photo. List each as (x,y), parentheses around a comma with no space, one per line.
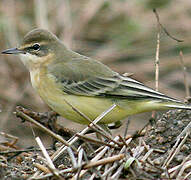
(122,34)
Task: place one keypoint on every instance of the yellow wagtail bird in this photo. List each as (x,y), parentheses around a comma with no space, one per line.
(60,75)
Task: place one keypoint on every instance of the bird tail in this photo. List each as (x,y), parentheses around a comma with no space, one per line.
(178,105)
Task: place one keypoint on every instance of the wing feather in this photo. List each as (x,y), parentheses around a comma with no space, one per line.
(117,85)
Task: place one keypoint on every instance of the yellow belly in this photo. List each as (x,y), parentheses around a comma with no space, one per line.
(90,106)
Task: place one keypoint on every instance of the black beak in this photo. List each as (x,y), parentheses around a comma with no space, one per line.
(13,51)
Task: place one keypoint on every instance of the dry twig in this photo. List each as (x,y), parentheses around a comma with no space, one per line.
(184,69)
(27,118)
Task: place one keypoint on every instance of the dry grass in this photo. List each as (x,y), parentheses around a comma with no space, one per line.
(158,151)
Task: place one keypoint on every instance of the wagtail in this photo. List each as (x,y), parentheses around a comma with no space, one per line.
(60,75)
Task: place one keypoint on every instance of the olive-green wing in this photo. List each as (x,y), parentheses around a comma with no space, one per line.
(79,78)
(122,87)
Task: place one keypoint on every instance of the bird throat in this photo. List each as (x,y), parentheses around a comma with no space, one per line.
(33,61)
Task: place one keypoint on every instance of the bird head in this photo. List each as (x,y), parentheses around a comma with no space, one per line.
(37,47)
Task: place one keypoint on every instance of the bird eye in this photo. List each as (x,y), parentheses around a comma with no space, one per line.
(36,46)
